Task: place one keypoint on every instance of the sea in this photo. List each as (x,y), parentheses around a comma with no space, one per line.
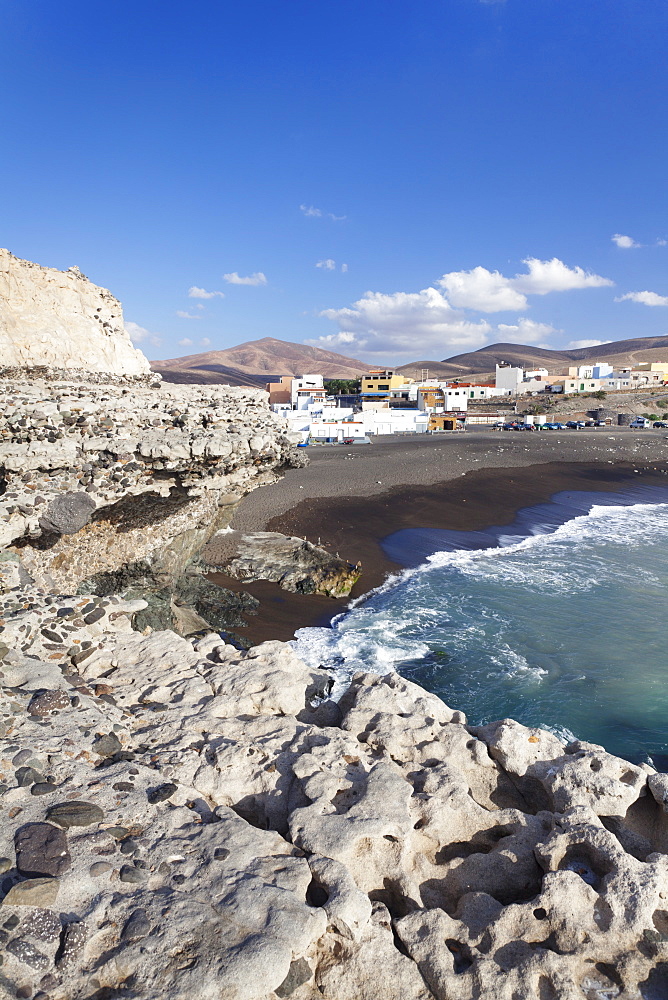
(559,620)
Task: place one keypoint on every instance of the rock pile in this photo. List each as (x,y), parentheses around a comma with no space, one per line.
(181,817)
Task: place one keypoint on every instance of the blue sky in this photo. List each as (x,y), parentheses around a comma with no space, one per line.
(458,169)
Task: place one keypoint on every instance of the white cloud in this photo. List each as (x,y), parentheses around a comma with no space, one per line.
(490,291)
(526,331)
(554,276)
(624,242)
(204,342)
(186,342)
(252,279)
(403,323)
(317,213)
(327,265)
(344,269)
(483,290)
(139,333)
(646,298)
(661,242)
(201,293)
(577,344)
(182,314)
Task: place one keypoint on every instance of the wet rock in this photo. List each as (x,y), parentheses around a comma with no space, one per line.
(41,849)
(67,814)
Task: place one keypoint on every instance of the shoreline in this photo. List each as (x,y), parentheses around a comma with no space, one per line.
(470,499)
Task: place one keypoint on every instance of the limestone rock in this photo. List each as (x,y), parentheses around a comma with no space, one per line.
(61,320)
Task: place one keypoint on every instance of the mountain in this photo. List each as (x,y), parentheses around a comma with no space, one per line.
(258,362)
(618,353)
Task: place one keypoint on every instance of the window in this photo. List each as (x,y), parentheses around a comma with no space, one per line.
(383,388)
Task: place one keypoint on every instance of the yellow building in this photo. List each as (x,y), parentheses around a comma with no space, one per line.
(381,381)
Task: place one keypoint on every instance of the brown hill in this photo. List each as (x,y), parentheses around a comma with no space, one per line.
(618,353)
(257,362)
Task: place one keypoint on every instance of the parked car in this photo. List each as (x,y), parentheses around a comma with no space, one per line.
(575,425)
(639,423)
(601,423)
(659,423)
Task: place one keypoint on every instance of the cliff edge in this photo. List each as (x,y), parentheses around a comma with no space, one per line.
(59,320)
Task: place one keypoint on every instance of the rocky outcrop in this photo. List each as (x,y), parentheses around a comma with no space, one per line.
(59,320)
(295,564)
(99,479)
(184,817)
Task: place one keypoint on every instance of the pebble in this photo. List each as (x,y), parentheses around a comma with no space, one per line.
(73,942)
(99,868)
(48,701)
(162,792)
(33,892)
(41,849)
(42,788)
(42,924)
(67,814)
(107,745)
(129,873)
(27,953)
(137,926)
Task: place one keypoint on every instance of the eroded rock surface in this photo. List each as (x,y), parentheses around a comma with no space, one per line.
(191,818)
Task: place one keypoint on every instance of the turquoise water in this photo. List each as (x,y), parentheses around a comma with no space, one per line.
(559,621)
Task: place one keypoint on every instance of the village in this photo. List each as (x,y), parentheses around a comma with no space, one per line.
(388,402)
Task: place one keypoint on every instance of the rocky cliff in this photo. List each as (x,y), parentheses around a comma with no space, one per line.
(108,488)
(59,320)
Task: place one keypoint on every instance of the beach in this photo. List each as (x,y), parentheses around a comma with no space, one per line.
(349,498)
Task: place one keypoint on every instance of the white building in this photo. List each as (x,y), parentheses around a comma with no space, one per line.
(508,379)
(536,373)
(601,369)
(306,389)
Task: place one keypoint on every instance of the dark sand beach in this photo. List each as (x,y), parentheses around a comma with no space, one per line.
(349,498)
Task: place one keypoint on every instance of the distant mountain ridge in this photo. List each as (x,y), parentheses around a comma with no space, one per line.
(618,353)
(260,361)
(257,362)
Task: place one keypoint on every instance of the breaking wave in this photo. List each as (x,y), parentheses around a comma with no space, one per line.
(529,627)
